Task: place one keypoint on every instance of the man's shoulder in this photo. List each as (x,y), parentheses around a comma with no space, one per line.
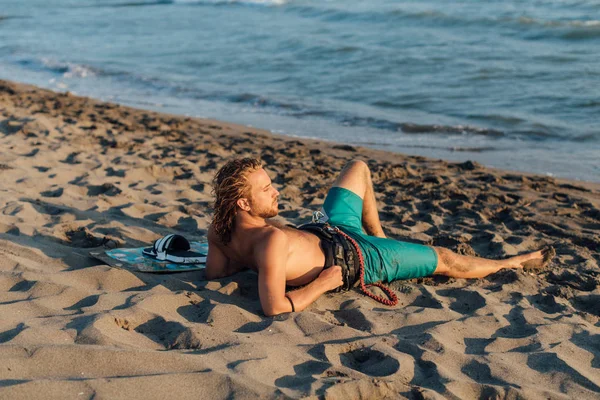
(269,247)
(256,236)
(212,234)
(270,235)
(267,241)
(214,239)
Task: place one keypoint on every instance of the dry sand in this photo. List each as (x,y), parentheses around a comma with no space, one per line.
(75,172)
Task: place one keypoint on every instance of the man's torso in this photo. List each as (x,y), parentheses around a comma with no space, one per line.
(305,259)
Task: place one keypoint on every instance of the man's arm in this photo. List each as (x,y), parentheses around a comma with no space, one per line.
(271,256)
(218,265)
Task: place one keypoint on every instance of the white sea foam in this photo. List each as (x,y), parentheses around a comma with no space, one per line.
(69,70)
(592,23)
(547,23)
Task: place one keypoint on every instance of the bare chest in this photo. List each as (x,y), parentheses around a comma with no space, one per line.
(304,257)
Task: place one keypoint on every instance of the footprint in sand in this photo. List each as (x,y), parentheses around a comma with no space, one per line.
(546,302)
(426,300)
(370,362)
(107,189)
(477,345)
(481,373)
(465,301)
(518,326)
(589,304)
(83,238)
(32,153)
(71,159)
(10,334)
(200,187)
(576,280)
(172,335)
(110,171)
(303,376)
(354,318)
(85,302)
(53,192)
(22,286)
(551,364)
(12,125)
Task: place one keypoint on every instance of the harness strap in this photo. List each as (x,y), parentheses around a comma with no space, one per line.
(392,299)
(338,251)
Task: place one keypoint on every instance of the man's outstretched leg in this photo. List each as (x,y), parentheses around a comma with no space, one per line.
(356,177)
(459,266)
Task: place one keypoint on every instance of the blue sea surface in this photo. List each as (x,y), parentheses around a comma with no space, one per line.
(513,84)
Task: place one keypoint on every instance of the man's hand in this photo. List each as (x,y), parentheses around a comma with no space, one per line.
(332,277)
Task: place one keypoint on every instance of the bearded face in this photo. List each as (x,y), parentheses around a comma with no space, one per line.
(262,196)
(264,208)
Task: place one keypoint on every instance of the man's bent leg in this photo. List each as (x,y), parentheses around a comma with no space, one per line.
(356,177)
(459,266)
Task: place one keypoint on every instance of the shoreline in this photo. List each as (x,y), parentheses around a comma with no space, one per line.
(76,171)
(283,126)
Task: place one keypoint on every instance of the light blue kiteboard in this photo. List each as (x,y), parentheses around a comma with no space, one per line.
(133,259)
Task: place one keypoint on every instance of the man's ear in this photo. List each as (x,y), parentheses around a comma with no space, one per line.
(244,204)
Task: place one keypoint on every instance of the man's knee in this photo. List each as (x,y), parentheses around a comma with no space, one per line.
(450,263)
(355,177)
(358,166)
(446,260)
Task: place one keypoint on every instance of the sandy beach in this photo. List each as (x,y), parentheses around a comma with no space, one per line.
(79,174)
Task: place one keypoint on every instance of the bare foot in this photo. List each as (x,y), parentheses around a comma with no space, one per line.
(539,260)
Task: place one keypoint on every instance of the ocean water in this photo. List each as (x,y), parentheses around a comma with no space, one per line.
(513,84)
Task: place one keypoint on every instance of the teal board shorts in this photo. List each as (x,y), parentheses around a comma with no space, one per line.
(385,259)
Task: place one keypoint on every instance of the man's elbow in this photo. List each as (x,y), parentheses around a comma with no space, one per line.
(273,310)
(212,275)
(209,276)
(272,313)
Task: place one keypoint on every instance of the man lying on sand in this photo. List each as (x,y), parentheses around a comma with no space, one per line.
(347,247)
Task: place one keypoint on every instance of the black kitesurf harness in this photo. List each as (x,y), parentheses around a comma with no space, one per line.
(340,249)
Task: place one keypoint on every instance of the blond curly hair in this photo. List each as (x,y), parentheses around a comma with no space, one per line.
(229,185)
